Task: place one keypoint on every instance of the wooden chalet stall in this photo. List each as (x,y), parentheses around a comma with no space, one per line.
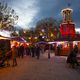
(4,44)
(67,44)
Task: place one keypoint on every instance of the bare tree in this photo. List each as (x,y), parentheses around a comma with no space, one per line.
(8,17)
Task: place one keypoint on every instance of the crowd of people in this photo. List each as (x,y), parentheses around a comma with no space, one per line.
(19,51)
(34,51)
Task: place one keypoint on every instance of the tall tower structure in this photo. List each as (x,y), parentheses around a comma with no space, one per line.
(67,15)
(67,27)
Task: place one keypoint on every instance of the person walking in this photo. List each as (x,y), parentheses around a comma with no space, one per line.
(14,54)
(49,50)
(21,51)
(58,50)
(33,50)
(72,59)
(38,51)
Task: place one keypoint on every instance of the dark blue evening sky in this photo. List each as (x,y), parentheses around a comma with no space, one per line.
(31,11)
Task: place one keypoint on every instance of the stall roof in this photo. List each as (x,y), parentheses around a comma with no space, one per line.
(19,39)
(68,39)
(2,37)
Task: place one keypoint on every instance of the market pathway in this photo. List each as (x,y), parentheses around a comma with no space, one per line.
(43,69)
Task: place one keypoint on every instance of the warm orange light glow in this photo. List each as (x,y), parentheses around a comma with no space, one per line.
(41,34)
(29,37)
(52,35)
(47,39)
(35,37)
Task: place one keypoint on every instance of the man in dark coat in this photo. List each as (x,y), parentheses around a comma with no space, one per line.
(21,50)
(72,59)
(33,50)
(38,51)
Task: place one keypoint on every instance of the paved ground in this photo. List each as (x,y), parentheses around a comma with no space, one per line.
(43,69)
